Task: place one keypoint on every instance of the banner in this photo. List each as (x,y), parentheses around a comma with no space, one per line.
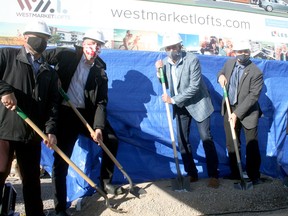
(139,25)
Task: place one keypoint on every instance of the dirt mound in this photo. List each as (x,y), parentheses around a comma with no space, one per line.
(268,198)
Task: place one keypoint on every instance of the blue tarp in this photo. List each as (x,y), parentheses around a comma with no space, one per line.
(138,115)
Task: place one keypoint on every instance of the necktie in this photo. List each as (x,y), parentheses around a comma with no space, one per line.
(34,63)
(36,66)
(233,86)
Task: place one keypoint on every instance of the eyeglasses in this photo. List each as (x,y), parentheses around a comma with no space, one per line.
(240,52)
(90,42)
(173,47)
(98,44)
(45,37)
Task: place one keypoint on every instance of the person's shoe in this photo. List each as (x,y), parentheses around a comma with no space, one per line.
(213,183)
(62,213)
(193,179)
(257,181)
(114,190)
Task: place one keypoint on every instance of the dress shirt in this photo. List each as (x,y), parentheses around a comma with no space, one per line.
(174,79)
(35,63)
(77,85)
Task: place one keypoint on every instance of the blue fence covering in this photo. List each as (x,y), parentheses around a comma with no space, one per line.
(138,115)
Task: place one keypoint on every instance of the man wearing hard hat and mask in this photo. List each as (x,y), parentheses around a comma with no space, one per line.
(244,82)
(191,100)
(83,77)
(28,82)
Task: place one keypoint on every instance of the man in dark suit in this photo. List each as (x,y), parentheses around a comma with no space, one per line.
(191,100)
(83,77)
(27,81)
(244,81)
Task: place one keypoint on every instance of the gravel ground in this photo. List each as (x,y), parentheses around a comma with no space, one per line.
(269,198)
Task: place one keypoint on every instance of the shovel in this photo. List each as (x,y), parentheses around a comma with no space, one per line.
(242,185)
(67,159)
(134,190)
(180,183)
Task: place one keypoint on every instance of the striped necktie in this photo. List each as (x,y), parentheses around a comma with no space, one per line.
(233,86)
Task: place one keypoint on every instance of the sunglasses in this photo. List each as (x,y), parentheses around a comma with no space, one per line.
(173,47)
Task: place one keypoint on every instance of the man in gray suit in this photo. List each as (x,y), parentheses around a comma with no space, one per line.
(244,81)
(190,99)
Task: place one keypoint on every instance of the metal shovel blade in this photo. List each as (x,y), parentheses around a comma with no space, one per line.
(181,184)
(243,185)
(138,192)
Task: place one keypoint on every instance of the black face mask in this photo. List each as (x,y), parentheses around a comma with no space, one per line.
(243,59)
(38,44)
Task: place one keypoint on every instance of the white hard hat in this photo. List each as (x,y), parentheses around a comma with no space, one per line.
(171,39)
(95,34)
(241,45)
(37,27)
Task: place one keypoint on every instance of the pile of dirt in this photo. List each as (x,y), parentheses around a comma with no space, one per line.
(268,198)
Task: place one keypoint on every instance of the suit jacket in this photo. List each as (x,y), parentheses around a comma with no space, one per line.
(282,55)
(37,96)
(66,61)
(249,88)
(192,91)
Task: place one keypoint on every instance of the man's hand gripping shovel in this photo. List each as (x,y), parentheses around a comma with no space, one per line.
(242,185)
(67,159)
(134,190)
(180,183)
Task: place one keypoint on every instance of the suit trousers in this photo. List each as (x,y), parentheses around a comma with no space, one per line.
(28,158)
(70,127)
(253,157)
(183,121)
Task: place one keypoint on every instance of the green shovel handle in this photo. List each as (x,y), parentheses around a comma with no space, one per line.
(21,113)
(162,79)
(225,94)
(64,95)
